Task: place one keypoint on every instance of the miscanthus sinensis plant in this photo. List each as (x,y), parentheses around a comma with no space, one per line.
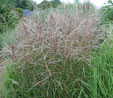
(49,56)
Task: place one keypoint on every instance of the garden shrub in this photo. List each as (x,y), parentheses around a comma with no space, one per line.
(107,12)
(24,4)
(20,12)
(49,4)
(9,18)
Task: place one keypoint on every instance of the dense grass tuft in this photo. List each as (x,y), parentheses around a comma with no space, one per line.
(55,57)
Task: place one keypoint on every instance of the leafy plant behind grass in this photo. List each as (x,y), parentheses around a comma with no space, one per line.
(49,4)
(9,17)
(50,58)
(106,12)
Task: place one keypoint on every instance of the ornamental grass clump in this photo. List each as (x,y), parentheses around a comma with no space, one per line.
(49,57)
(66,35)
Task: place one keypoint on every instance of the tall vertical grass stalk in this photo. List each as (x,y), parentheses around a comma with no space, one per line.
(101,81)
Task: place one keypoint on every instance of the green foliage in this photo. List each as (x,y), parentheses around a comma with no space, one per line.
(8,19)
(8,16)
(107,11)
(49,4)
(62,84)
(20,11)
(24,4)
(101,83)
(5,15)
(0,43)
